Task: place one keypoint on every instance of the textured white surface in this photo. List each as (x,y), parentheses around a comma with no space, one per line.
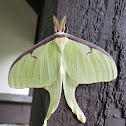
(17,33)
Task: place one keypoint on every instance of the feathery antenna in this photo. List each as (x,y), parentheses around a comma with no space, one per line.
(62,23)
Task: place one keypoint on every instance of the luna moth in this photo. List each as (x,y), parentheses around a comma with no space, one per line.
(62,60)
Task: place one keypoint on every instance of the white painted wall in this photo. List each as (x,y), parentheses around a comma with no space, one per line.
(17,33)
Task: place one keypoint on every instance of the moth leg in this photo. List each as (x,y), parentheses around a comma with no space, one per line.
(33,57)
(55,29)
(67,30)
(89,53)
(55,93)
(63,29)
(69,86)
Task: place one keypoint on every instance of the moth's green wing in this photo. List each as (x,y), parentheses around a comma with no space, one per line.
(55,94)
(27,72)
(69,86)
(86,67)
(41,68)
